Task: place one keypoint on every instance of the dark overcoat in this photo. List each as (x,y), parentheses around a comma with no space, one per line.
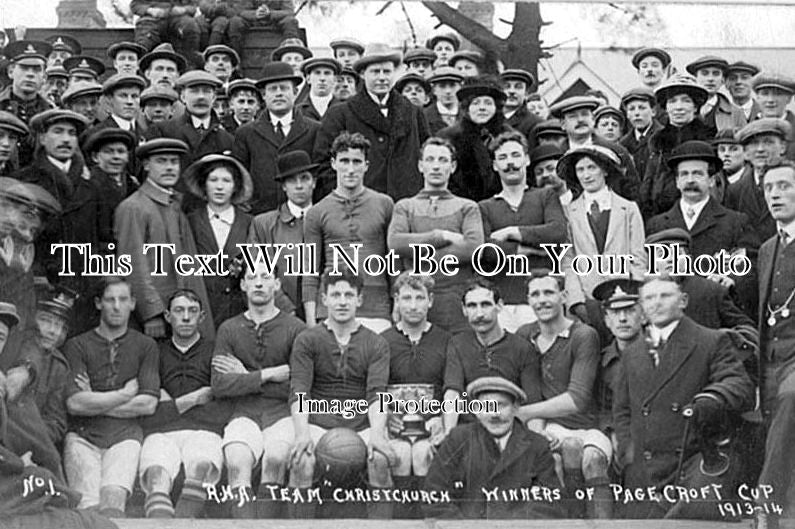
(747,197)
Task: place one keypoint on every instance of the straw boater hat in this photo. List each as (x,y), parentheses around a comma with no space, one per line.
(605,157)
(195,176)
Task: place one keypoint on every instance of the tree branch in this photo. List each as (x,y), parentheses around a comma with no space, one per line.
(474,32)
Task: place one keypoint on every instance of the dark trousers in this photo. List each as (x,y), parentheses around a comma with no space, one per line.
(779,396)
(182,31)
(238,26)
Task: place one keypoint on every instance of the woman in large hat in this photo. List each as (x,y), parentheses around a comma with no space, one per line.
(480,120)
(601,222)
(682,98)
(225,185)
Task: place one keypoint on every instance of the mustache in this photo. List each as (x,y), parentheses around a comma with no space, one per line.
(692,187)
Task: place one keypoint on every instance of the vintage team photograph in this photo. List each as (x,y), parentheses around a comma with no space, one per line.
(419,264)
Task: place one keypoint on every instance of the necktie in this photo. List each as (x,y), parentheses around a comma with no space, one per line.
(596,213)
(784,237)
(690,213)
(279,131)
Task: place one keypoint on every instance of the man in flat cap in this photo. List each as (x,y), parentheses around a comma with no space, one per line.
(394,127)
(420,61)
(739,76)
(124,56)
(152,215)
(320,74)
(676,391)
(765,144)
(496,452)
(652,66)
(774,94)
(730,151)
(469,63)
(346,84)
(170,21)
(221,61)
(347,50)
(639,105)
(157,104)
(516,84)
(278,130)
(415,88)
(443,111)
(63,47)
(245,103)
(83,98)
(550,132)
(444,45)
(12,130)
(717,111)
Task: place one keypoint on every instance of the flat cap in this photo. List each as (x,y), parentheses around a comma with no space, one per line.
(726,137)
(65,43)
(120,80)
(694,150)
(315,62)
(452,38)
(681,84)
(641,93)
(29,194)
(670,236)
(115,48)
(241,84)
(518,74)
(412,77)
(347,42)
(198,78)
(108,135)
(771,80)
(158,92)
(161,146)
(377,53)
(707,61)
(291,45)
(347,70)
(222,49)
(495,384)
(466,55)
(11,122)
(573,103)
(545,152)
(84,64)
(419,54)
(8,314)
(642,53)
(741,66)
(607,110)
(617,293)
(163,51)
(42,121)
(446,73)
(779,127)
(53,72)
(27,51)
(548,127)
(80,89)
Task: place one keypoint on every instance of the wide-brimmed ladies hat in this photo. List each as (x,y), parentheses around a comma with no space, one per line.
(682,84)
(195,176)
(603,156)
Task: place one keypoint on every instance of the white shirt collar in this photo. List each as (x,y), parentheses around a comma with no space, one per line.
(747,107)
(602,197)
(297,211)
(286,120)
(378,101)
(321,103)
(732,178)
(502,442)
(698,207)
(789,229)
(227,215)
(644,132)
(124,124)
(205,122)
(664,333)
(573,145)
(444,111)
(63,166)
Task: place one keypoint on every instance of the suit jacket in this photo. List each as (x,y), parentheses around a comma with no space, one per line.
(725,115)
(225,299)
(748,198)
(625,235)
(258,147)
(394,143)
(308,109)
(710,304)
(469,456)
(434,119)
(648,400)
(639,149)
(524,121)
(133,165)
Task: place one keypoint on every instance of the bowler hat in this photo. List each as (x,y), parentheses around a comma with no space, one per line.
(498,385)
(347,42)
(102,137)
(120,80)
(518,74)
(573,103)
(604,156)
(545,152)
(291,45)
(11,122)
(42,121)
(65,43)
(8,314)
(161,146)
(707,61)
(446,73)
(412,77)
(27,51)
(777,126)
(670,236)
(771,80)
(548,127)
(223,49)
(80,89)
(741,66)
(84,64)
(660,53)
(694,150)
(377,53)
(195,176)
(617,293)
(292,163)
(163,51)
(452,38)
(29,194)
(315,62)
(115,48)
(681,84)
(277,71)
